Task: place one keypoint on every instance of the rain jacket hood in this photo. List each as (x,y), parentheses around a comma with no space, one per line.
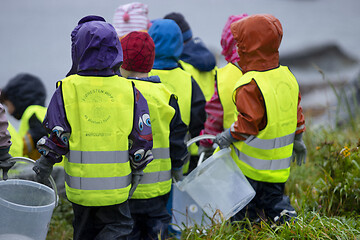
(258,40)
(168,41)
(96,48)
(196,54)
(24,90)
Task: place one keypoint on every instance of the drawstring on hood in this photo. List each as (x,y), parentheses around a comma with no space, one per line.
(258,40)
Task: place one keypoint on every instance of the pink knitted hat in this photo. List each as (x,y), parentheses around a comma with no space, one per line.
(131,17)
(228,43)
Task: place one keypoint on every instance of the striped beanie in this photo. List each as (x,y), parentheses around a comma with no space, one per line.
(131,17)
(228,42)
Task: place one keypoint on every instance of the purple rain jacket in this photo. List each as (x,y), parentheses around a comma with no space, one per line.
(96,51)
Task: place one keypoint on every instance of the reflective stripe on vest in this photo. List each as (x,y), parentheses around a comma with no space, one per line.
(205,80)
(226,78)
(266,157)
(260,164)
(156,180)
(97,157)
(279,142)
(100,113)
(107,183)
(161,152)
(154,177)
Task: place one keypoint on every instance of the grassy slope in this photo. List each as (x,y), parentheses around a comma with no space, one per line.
(324,191)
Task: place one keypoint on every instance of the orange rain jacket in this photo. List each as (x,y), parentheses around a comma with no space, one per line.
(258,40)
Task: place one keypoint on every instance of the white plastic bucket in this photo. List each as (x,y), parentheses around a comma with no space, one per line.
(218,184)
(26,208)
(186,213)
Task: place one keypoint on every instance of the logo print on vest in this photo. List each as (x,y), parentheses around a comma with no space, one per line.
(96,102)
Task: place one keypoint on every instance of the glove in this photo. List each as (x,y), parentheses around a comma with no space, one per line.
(207,150)
(135,180)
(177,174)
(43,168)
(6,164)
(299,151)
(36,129)
(224,139)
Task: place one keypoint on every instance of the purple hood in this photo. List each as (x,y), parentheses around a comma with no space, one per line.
(96,49)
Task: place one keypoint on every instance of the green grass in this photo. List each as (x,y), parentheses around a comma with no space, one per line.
(325,192)
(61,222)
(309,225)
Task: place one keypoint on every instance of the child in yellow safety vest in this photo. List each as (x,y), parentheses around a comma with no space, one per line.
(220,109)
(24,96)
(267,133)
(148,203)
(101,123)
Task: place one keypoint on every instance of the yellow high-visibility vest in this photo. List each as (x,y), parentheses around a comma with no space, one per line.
(100,111)
(40,113)
(205,80)
(156,180)
(226,78)
(179,83)
(17,144)
(266,157)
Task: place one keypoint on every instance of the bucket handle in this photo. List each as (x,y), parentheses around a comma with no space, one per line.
(196,139)
(51,179)
(202,155)
(199,138)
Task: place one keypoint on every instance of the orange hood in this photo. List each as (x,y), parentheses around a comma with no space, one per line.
(258,40)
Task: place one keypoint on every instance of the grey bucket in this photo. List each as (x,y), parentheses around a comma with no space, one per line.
(26,208)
